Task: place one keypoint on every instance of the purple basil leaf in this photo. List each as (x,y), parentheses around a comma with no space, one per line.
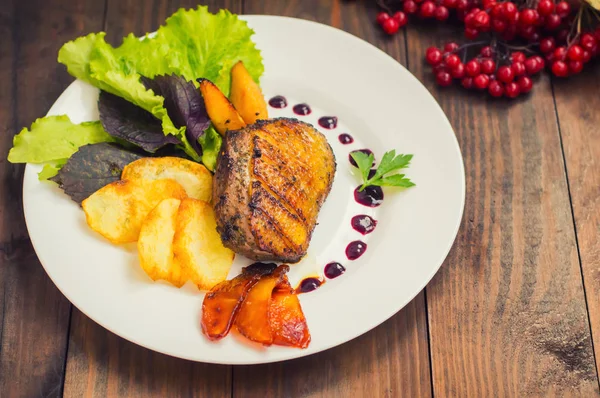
(92,167)
(184,105)
(122,119)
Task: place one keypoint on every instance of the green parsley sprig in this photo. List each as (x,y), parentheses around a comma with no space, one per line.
(389,164)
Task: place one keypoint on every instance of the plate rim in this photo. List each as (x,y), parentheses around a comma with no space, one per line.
(365,327)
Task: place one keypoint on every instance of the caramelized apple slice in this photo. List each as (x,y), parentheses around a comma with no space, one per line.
(221,112)
(286,319)
(252,320)
(246,95)
(221,304)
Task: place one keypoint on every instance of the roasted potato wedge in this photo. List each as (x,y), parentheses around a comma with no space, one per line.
(221,111)
(118,210)
(192,176)
(252,320)
(246,96)
(155,243)
(198,247)
(221,304)
(286,319)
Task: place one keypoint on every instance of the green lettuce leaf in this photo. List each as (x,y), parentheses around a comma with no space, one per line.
(51,169)
(54,138)
(211,144)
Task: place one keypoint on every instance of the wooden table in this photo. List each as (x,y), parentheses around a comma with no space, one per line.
(514,310)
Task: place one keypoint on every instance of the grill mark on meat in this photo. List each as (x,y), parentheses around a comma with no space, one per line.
(264,200)
(277,243)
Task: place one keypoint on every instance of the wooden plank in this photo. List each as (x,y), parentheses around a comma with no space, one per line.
(391,360)
(507,313)
(578,108)
(100,363)
(35,315)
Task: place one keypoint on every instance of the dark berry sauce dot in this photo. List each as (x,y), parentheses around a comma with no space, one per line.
(309,284)
(333,270)
(328,122)
(371,196)
(365,151)
(345,139)
(355,249)
(363,224)
(278,101)
(302,109)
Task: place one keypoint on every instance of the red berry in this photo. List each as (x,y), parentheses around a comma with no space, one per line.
(382,17)
(527,31)
(547,44)
(588,41)
(563,9)
(467,82)
(575,67)
(518,68)
(511,90)
(525,84)
(496,89)
(498,25)
(531,65)
(452,60)
(410,7)
(552,22)
(488,66)
(391,26)
(471,33)
(481,81)
(487,4)
(528,16)
(443,78)
(433,56)
(462,4)
(401,18)
(470,20)
(560,69)
(545,7)
(481,19)
(575,53)
(505,74)
(472,68)
(497,11)
(458,72)
(510,11)
(450,47)
(534,37)
(427,9)
(540,62)
(518,56)
(450,3)
(586,56)
(441,13)
(486,52)
(560,54)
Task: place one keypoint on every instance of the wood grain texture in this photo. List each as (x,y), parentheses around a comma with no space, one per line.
(506,311)
(100,363)
(35,315)
(391,360)
(578,106)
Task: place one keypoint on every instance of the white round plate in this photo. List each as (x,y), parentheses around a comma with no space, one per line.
(383,107)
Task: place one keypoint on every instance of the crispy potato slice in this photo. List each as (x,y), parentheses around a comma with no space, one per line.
(221,112)
(286,319)
(246,96)
(221,304)
(192,176)
(198,247)
(117,210)
(252,320)
(155,244)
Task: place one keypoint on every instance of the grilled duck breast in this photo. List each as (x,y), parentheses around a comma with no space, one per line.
(270,182)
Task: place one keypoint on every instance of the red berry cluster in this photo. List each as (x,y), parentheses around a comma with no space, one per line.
(391,24)
(569,58)
(495,69)
(510,21)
